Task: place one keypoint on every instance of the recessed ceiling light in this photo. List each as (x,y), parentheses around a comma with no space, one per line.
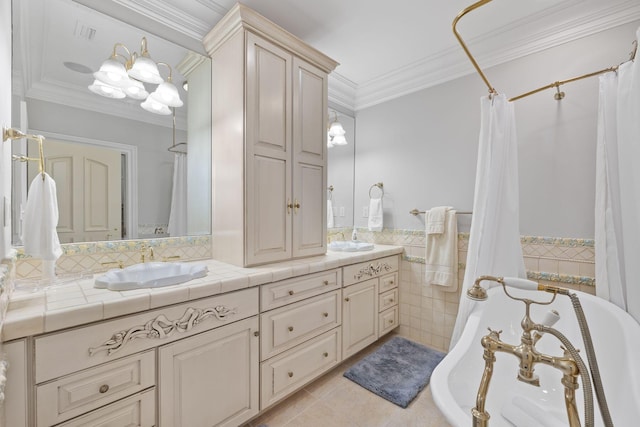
(79,68)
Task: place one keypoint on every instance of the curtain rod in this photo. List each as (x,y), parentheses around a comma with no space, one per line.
(557,84)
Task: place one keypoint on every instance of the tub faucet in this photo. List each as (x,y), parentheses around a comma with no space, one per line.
(570,363)
(143,251)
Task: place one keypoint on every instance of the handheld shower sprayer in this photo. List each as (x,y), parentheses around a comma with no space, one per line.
(478,293)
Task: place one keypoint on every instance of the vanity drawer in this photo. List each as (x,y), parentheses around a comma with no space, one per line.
(294,368)
(76,394)
(89,346)
(277,294)
(138,410)
(288,326)
(388,299)
(388,320)
(370,269)
(388,282)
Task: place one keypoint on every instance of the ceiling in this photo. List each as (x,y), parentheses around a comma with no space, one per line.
(385,49)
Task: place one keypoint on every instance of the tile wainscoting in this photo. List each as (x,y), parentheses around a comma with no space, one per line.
(95,257)
(428,314)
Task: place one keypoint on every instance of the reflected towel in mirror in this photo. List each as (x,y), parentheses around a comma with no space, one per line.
(375,215)
(39,234)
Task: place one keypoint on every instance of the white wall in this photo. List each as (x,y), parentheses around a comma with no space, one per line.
(423,146)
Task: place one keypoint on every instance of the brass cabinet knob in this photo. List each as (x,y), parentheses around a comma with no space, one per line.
(391,300)
(325,282)
(104,388)
(289,206)
(296,206)
(256,334)
(390,320)
(391,282)
(291,292)
(347,299)
(325,354)
(290,328)
(290,374)
(325,314)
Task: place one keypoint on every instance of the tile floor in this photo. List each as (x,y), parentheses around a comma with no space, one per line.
(334,401)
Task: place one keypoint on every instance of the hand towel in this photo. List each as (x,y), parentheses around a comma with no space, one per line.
(435,219)
(39,235)
(375,215)
(330,223)
(441,257)
(524,412)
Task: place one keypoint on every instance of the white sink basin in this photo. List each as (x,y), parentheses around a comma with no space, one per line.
(150,275)
(350,246)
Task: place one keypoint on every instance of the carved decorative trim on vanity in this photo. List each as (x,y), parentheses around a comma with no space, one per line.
(161,327)
(372,270)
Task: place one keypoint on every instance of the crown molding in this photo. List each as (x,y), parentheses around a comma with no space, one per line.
(451,63)
(342,91)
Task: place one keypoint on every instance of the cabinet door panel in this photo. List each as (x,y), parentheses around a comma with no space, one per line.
(360,316)
(310,220)
(210,379)
(269,227)
(309,112)
(268,151)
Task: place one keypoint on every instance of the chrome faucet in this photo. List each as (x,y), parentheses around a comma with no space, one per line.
(143,252)
(570,363)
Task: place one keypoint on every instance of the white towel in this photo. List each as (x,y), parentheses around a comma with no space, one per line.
(330,223)
(524,412)
(441,252)
(375,214)
(435,219)
(39,234)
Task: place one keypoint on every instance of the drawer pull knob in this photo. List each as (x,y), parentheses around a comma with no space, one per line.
(325,282)
(290,292)
(391,300)
(104,388)
(325,314)
(290,374)
(390,320)
(391,282)
(256,334)
(347,299)
(325,354)
(290,328)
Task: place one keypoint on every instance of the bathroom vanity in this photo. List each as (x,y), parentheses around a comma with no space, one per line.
(213,351)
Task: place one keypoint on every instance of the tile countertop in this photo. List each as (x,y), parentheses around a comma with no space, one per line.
(78,302)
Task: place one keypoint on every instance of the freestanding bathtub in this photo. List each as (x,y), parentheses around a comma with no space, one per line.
(616,338)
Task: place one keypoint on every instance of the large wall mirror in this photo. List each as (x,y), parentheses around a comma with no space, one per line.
(110,158)
(341,170)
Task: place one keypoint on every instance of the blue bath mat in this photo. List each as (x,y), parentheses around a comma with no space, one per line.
(397,371)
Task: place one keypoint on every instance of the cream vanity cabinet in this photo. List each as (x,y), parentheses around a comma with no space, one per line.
(269,141)
(370,303)
(194,363)
(301,335)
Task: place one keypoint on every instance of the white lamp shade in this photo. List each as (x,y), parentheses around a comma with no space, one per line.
(155,107)
(339,140)
(145,70)
(329,141)
(106,90)
(112,73)
(167,94)
(136,90)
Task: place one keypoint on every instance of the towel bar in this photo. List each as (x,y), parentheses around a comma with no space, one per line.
(416,212)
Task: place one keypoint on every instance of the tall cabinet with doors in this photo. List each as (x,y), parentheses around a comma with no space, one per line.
(269,110)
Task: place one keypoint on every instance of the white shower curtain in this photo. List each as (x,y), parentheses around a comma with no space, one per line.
(494,241)
(178,214)
(617,213)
